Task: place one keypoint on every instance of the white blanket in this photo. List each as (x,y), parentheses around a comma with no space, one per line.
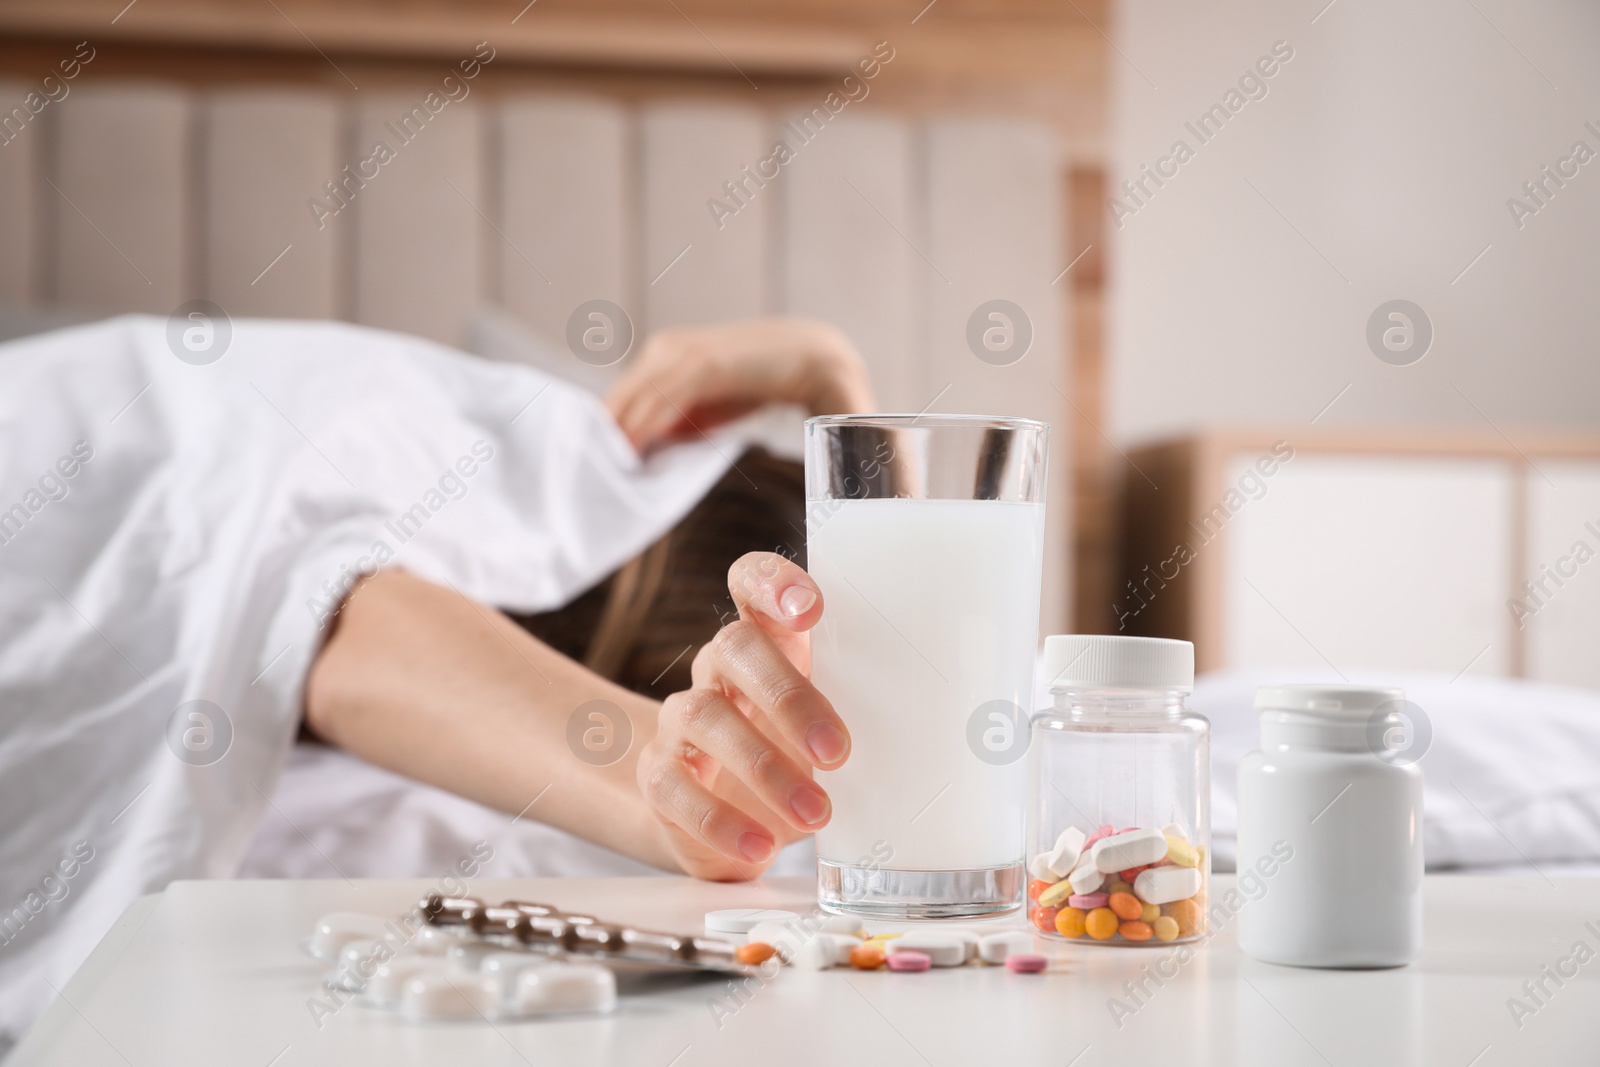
(173,533)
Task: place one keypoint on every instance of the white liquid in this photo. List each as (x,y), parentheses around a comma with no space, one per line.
(930,609)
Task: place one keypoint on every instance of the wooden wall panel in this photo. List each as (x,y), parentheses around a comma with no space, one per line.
(993,232)
(694,270)
(122,173)
(848,210)
(417,255)
(267,153)
(566,214)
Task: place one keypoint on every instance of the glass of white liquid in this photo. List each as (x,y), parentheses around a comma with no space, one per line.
(925,534)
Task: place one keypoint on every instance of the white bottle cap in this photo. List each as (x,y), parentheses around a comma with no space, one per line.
(1335,703)
(1104,661)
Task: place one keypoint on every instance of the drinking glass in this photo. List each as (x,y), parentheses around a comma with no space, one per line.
(925,534)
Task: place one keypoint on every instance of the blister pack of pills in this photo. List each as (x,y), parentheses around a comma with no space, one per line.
(515,960)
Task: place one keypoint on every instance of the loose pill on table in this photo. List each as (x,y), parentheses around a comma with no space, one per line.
(1187,914)
(941,951)
(333,930)
(755,952)
(867,957)
(846,925)
(1180,852)
(563,987)
(780,936)
(968,937)
(1165,928)
(1126,905)
(1069,922)
(909,961)
(1151,913)
(1088,901)
(1100,924)
(994,948)
(743,920)
(1163,885)
(1135,930)
(1027,963)
(1132,848)
(1056,895)
(1043,919)
(817,954)
(446,994)
(1085,877)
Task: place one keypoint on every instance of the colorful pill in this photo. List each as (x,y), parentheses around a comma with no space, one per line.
(1182,853)
(1165,928)
(1131,873)
(1043,918)
(867,957)
(1069,922)
(1126,905)
(909,961)
(1088,901)
(1026,963)
(1101,924)
(1037,886)
(1135,930)
(1187,914)
(1103,832)
(1056,895)
(1152,912)
(1118,887)
(756,952)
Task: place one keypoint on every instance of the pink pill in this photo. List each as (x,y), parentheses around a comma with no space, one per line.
(908,960)
(1088,901)
(1026,963)
(1104,831)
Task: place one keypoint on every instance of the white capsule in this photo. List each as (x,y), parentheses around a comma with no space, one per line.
(586,987)
(942,951)
(994,948)
(1086,877)
(1163,885)
(743,920)
(388,980)
(332,931)
(1132,849)
(447,994)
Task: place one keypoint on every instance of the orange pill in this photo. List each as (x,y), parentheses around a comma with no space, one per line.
(1069,922)
(1188,914)
(1126,905)
(1100,924)
(1135,930)
(867,957)
(1043,918)
(755,952)
(1132,873)
(1037,886)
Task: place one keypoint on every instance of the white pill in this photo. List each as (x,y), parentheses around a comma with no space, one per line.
(510,964)
(332,931)
(942,951)
(447,994)
(1132,849)
(743,920)
(1086,877)
(1163,885)
(1069,849)
(780,936)
(1172,829)
(848,925)
(1040,867)
(389,979)
(994,948)
(565,987)
(817,954)
(358,960)
(968,937)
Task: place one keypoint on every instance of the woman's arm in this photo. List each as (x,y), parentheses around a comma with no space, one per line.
(433,685)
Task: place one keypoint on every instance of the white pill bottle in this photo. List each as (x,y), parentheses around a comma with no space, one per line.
(1330,829)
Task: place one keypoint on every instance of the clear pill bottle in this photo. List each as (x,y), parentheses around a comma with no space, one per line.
(1330,830)
(1119,794)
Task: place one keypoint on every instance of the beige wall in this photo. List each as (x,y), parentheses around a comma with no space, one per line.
(1377,166)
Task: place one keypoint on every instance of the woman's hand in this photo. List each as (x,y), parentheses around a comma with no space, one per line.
(686,381)
(728,773)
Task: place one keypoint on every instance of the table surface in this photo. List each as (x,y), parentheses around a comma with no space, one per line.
(213,973)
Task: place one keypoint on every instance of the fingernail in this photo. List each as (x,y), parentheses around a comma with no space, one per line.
(755,848)
(796,600)
(827,742)
(809,804)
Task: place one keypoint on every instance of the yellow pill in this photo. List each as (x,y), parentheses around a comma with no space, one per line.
(1101,924)
(1181,852)
(1056,895)
(1070,922)
(1166,928)
(1152,912)
(1117,887)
